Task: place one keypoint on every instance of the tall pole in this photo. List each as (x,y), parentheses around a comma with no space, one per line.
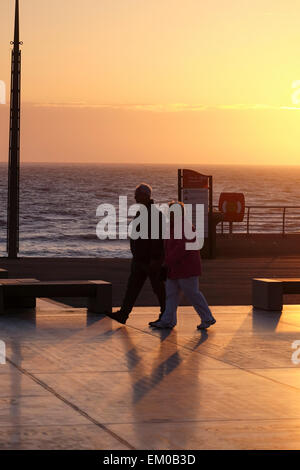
(14,144)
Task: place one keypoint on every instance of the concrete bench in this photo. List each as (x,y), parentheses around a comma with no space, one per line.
(267,294)
(22,293)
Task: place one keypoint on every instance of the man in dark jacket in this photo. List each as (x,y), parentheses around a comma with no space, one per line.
(148,256)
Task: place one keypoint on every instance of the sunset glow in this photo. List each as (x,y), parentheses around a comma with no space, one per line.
(156,81)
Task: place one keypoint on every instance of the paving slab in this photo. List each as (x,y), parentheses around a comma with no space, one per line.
(211,435)
(35,411)
(74,380)
(58,438)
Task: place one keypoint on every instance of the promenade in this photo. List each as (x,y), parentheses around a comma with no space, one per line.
(225,281)
(78,381)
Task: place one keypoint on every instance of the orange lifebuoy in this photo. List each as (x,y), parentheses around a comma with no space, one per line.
(232,206)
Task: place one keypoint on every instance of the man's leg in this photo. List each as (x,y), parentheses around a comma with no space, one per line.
(135,283)
(159,289)
(190,288)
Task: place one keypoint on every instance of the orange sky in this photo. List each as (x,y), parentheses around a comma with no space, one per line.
(156,81)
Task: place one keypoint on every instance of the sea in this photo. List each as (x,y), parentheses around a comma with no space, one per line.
(58,202)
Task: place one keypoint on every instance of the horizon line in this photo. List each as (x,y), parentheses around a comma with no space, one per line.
(157,164)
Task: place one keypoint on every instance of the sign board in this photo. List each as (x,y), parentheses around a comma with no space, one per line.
(232,206)
(197,196)
(196,188)
(193,180)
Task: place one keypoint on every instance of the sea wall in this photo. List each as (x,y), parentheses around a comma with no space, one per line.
(257,245)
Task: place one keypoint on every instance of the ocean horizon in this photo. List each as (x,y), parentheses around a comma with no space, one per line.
(58,202)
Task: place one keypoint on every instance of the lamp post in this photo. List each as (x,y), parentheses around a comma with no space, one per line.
(14,144)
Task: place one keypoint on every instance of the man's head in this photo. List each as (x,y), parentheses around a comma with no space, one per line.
(143,193)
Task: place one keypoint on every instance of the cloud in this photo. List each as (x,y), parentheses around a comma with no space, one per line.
(164,108)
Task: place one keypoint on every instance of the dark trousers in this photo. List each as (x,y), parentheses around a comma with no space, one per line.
(138,275)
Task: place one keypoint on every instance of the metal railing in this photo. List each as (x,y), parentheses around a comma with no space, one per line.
(266,219)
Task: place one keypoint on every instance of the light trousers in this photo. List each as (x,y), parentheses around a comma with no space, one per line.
(190,288)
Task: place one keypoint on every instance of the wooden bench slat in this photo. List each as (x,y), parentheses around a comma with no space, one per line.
(12,291)
(3,273)
(267,293)
(49,290)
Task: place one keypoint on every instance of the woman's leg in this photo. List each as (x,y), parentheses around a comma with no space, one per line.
(190,288)
(169,316)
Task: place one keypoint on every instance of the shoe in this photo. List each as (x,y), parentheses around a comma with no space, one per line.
(206,324)
(119,316)
(161,325)
(153,323)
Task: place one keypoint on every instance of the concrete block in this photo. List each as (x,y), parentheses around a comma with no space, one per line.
(267,294)
(102,301)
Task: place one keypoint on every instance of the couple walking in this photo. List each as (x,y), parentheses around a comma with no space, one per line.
(159,259)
